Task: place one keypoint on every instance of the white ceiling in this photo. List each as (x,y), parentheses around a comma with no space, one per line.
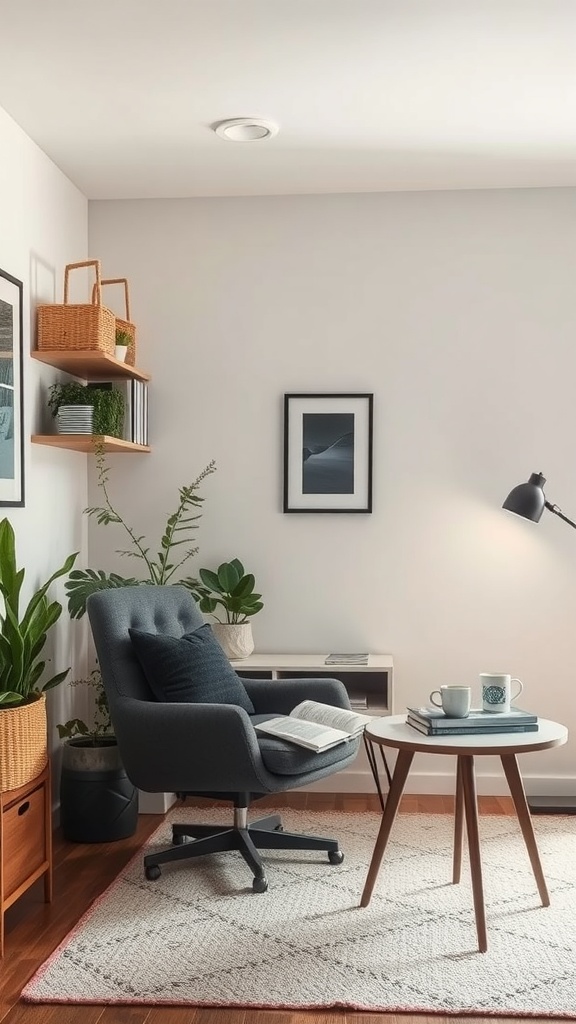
(370,95)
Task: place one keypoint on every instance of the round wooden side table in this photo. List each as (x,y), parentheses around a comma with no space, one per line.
(393,731)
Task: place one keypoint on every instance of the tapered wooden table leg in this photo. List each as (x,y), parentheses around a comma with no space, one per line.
(458,826)
(466,764)
(401,769)
(512,772)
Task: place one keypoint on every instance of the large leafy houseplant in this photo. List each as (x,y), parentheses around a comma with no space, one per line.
(90,754)
(161,568)
(23,636)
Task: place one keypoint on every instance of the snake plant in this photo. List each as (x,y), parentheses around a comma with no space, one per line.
(22,638)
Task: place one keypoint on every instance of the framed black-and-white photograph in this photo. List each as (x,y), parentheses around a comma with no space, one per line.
(11,392)
(328,453)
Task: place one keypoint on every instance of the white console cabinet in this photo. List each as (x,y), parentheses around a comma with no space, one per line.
(370,688)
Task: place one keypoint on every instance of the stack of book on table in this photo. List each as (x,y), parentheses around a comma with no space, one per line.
(433,722)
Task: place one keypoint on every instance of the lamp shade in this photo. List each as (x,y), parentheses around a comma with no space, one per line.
(528,500)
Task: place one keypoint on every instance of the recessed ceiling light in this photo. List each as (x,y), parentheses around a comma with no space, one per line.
(245,129)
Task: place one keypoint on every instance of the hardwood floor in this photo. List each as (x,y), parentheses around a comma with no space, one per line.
(34,929)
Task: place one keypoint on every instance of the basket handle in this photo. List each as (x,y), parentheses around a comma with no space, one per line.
(116,280)
(96,290)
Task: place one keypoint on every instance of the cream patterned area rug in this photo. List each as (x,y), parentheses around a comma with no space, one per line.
(199,936)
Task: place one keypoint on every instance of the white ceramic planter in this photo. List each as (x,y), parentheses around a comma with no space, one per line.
(120,352)
(235,640)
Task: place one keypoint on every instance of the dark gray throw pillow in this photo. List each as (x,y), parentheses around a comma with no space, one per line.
(189,669)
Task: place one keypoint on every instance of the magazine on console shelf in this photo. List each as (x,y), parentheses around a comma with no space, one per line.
(316,726)
(346,659)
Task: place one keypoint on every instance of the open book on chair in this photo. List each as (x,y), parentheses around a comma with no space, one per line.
(316,726)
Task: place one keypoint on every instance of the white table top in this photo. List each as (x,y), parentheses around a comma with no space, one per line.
(392,731)
(303,662)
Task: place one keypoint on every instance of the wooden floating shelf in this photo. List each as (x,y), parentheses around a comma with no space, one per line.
(86,442)
(89,365)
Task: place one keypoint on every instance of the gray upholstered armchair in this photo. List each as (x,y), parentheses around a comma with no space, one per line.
(204,748)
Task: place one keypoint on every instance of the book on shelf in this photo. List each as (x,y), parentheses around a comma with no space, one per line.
(435,718)
(316,726)
(497,729)
(140,412)
(135,393)
(357,703)
(346,659)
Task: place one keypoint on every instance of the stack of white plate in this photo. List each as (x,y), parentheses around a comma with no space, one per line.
(75,419)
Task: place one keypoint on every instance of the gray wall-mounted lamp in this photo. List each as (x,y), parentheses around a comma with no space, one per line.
(529,501)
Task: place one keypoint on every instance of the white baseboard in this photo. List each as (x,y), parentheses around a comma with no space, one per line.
(155,803)
(442,784)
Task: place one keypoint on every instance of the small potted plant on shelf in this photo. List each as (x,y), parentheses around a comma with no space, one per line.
(87,408)
(98,803)
(233,589)
(122,340)
(23,729)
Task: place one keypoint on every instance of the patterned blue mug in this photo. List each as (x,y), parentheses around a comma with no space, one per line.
(497,693)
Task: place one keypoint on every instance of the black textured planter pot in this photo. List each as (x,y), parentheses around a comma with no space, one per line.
(98,803)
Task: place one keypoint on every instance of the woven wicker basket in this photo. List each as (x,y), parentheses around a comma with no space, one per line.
(123,325)
(23,743)
(84,327)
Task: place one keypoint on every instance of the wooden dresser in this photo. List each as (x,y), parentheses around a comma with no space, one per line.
(25,842)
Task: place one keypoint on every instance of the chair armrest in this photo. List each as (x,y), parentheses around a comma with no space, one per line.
(279,696)
(169,747)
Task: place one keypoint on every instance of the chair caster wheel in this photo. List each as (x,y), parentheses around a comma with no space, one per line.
(260,883)
(152,873)
(335,856)
(179,840)
(279,828)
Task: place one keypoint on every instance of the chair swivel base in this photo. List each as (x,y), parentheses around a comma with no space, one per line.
(264,834)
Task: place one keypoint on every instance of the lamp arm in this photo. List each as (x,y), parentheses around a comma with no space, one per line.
(557,512)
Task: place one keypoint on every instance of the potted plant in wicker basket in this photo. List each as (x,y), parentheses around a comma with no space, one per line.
(23,730)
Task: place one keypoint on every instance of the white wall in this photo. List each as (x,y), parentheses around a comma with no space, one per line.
(457,310)
(43,226)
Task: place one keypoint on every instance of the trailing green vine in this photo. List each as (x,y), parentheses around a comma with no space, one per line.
(161,567)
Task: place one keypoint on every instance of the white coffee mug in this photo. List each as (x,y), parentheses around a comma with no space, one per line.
(455,701)
(497,693)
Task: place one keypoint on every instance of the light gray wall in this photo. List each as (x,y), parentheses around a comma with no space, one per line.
(457,310)
(43,226)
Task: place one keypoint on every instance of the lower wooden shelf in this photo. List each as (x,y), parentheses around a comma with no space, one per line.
(85,443)
(25,842)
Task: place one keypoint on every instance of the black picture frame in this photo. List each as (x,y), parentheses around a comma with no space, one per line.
(328,443)
(11,391)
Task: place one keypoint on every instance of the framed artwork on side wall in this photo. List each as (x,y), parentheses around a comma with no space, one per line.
(328,452)
(11,392)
